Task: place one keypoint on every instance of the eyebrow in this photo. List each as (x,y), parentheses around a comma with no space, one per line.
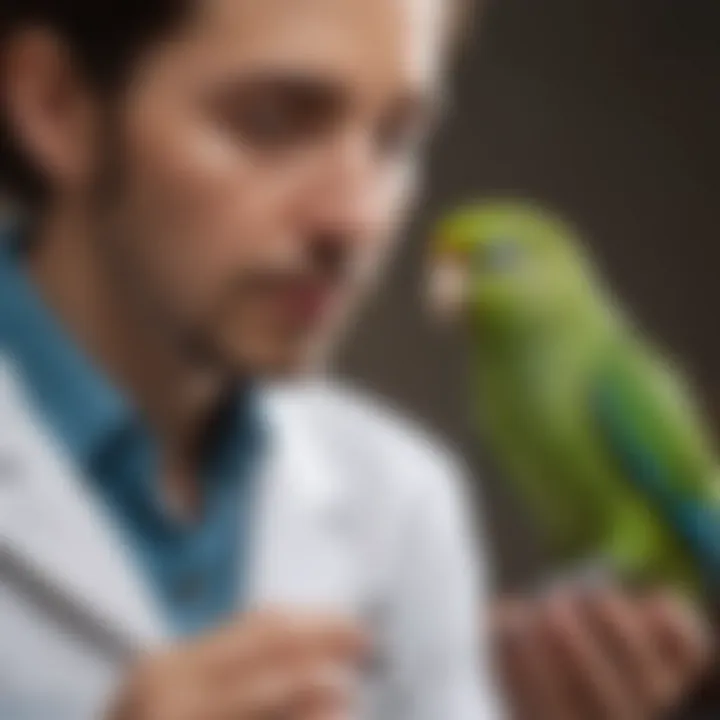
(320,89)
(324,92)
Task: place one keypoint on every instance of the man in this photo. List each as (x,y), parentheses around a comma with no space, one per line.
(204,187)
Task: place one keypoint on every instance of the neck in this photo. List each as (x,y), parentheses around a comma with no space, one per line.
(174,395)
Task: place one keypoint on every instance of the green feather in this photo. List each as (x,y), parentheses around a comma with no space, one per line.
(597,433)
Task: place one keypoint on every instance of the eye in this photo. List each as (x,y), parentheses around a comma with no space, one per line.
(499,257)
(279,112)
(403,130)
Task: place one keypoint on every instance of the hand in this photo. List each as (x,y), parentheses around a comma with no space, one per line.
(581,654)
(266,667)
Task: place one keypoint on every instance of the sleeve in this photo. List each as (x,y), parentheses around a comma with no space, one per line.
(441,610)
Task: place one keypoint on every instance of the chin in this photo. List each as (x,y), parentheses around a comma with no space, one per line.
(276,359)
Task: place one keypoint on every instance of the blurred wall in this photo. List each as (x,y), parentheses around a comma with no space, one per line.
(608,110)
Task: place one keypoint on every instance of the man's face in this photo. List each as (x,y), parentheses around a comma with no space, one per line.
(267,156)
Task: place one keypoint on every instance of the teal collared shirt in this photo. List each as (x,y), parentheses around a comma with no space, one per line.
(195,569)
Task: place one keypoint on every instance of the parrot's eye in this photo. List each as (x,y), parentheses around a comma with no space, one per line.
(499,256)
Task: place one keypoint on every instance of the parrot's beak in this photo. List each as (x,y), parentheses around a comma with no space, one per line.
(447,286)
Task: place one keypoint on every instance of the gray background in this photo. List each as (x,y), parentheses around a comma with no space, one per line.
(608,110)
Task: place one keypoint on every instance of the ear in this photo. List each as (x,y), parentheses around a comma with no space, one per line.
(48,107)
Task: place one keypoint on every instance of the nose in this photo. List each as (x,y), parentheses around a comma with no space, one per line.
(346,202)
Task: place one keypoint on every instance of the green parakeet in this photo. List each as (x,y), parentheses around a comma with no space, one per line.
(599,433)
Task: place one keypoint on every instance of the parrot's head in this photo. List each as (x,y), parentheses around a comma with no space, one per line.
(507,265)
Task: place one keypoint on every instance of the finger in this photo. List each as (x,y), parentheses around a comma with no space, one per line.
(331,715)
(533,684)
(592,671)
(619,622)
(684,639)
(262,697)
(327,636)
(274,638)
(237,647)
(326,691)
(281,693)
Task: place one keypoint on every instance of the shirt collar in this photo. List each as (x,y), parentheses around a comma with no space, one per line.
(84,410)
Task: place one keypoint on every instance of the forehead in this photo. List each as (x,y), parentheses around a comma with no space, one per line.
(373,43)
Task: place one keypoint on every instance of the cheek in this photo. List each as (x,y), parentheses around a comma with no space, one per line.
(204,187)
(204,203)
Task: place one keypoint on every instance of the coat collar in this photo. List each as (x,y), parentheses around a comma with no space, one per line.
(58,534)
(85,411)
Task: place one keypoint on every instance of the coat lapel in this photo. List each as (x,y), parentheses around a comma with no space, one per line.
(53,531)
(61,538)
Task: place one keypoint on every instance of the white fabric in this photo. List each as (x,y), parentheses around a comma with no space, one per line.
(355,515)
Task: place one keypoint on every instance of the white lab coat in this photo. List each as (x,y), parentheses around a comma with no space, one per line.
(355,515)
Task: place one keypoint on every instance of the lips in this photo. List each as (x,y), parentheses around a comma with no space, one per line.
(307,302)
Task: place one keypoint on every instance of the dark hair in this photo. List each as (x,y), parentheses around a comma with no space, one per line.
(104,37)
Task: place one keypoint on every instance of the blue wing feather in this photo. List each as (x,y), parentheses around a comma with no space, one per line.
(697,525)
